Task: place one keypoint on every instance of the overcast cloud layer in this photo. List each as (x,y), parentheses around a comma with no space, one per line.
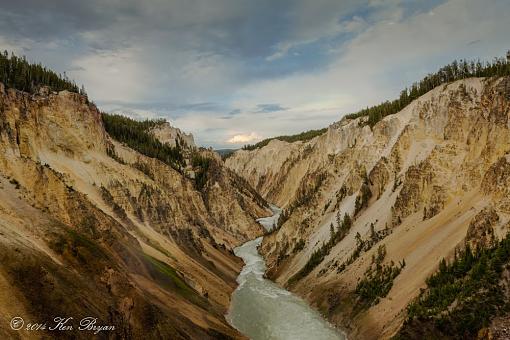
(235,71)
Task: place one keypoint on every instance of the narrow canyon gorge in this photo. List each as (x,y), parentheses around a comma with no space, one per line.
(370,212)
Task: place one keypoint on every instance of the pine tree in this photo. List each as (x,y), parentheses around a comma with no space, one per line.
(18,73)
(373,233)
(454,71)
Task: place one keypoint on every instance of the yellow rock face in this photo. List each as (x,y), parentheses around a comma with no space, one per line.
(128,240)
(430,170)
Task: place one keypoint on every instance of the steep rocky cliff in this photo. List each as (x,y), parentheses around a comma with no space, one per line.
(90,227)
(173,136)
(418,185)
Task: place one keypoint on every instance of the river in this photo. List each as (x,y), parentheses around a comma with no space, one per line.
(262,310)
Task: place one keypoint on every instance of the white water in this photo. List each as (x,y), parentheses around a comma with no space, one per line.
(262,310)
(270,222)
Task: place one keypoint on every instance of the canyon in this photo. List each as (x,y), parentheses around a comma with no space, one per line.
(398,197)
(89,226)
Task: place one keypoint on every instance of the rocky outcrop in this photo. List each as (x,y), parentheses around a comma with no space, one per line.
(481,229)
(416,183)
(496,183)
(90,227)
(173,136)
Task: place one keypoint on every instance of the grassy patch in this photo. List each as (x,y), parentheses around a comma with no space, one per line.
(78,246)
(169,278)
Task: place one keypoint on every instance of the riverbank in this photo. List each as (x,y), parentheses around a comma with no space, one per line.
(262,310)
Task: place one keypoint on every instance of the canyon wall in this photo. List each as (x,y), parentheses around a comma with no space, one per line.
(90,227)
(416,186)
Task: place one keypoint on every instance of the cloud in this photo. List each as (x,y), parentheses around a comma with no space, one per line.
(234,112)
(266,108)
(281,50)
(18,46)
(136,114)
(207,66)
(115,75)
(201,106)
(243,138)
(377,63)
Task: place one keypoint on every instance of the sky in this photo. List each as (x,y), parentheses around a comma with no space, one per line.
(233,72)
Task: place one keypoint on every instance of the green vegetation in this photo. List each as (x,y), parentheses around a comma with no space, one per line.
(305,193)
(202,165)
(18,73)
(108,198)
(170,273)
(455,71)
(79,240)
(135,134)
(378,279)
(299,246)
(145,168)
(326,206)
(303,136)
(340,195)
(463,295)
(225,153)
(14,182)
(318,255)
(78,245)
(284,216)
(169,277)
(363,197)
(364,245)
(110,151)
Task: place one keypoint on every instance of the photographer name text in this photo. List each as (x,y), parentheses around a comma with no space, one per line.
(62,324)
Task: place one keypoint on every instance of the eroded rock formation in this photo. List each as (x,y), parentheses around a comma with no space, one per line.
(126,239)
(420,183)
